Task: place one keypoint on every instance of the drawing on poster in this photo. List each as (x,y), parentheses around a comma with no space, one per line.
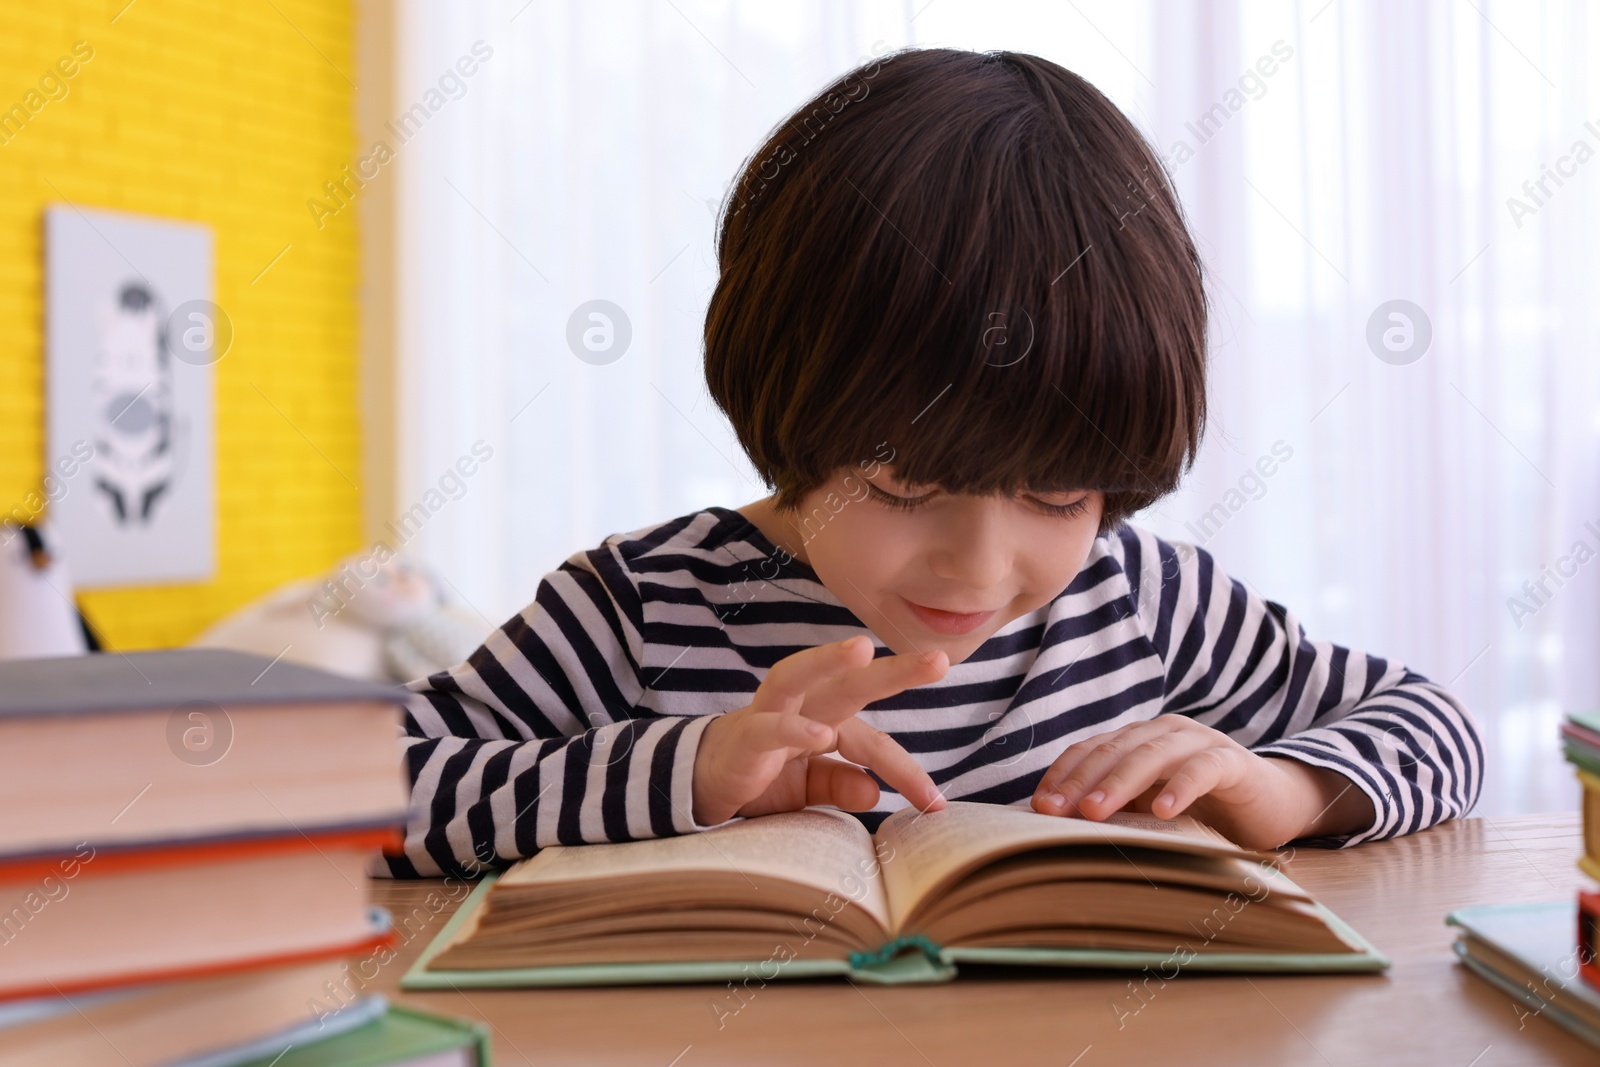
(133,408)
(132,337)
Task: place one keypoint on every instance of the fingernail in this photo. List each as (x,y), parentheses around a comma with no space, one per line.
(816,729)
(1165,800)
(1052,800)
(1096,797)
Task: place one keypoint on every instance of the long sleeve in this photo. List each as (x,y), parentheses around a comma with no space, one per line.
(539,737)
(1243,665)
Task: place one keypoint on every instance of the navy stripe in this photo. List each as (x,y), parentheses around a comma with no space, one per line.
(662,762)
(605,599)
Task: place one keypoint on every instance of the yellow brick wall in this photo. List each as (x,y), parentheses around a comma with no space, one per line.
(233,113)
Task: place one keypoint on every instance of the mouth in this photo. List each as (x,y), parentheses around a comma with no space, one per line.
(948,622)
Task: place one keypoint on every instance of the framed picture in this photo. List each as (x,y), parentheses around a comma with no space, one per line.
(132,334)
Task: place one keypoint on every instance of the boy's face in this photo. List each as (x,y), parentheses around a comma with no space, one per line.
(949,570)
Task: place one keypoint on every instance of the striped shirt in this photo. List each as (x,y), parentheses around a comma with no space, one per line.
(578,720)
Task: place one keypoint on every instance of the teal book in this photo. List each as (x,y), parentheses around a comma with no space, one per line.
(396,1037)
(812,893)
(1530,953)
(1580,741)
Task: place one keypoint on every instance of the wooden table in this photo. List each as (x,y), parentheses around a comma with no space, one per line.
(1425,1010)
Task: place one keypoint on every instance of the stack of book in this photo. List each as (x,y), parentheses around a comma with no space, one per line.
(1544,955)
(1580,740)
(183,864)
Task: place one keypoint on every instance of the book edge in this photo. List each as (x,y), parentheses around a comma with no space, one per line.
(1368,960)
(335,688)
(419,977)
(376,834)
(364,1011)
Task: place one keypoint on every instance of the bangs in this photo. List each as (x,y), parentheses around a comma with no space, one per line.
(975,270)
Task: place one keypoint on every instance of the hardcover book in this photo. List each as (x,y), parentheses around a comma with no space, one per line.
(813,893)
(1530,952)
(141,749)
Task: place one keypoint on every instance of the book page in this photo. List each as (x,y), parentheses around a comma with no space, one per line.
(923,852)
(820,847)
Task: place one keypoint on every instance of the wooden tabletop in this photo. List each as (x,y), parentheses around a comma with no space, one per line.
(1425,1010)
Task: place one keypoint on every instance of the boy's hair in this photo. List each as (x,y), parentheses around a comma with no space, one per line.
(975,258)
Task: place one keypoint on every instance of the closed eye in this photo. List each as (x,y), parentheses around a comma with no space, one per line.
(1071,510)
(900,503)
(1062,511)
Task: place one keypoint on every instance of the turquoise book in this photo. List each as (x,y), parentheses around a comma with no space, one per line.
(1530,952)
(813,893)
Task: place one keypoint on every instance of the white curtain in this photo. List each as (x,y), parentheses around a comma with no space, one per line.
(1333,157)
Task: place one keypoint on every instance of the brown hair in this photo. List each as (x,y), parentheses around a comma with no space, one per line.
(975,258)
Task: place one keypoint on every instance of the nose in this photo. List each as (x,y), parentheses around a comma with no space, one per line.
(974,549)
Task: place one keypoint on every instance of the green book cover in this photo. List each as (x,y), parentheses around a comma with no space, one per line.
(398,1035)
(1581,756)
(902,961)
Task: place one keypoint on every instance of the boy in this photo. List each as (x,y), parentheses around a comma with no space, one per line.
(960,329)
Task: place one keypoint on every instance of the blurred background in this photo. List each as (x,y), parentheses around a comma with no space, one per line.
(407,215)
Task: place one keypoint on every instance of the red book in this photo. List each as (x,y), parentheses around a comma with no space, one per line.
(98,919)
(1588,927)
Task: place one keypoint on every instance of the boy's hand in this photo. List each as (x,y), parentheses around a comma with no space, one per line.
(766,757)
(1173,764)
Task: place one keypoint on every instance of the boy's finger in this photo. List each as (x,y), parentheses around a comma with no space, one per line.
(875,749)
(1197,777)
(787,682)
(1072,759)
(1143,765)
(831,781)
(847,693)
(1064,765)
(1085,776)
(768,731)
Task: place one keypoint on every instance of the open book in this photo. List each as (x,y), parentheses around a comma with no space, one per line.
(811,892)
